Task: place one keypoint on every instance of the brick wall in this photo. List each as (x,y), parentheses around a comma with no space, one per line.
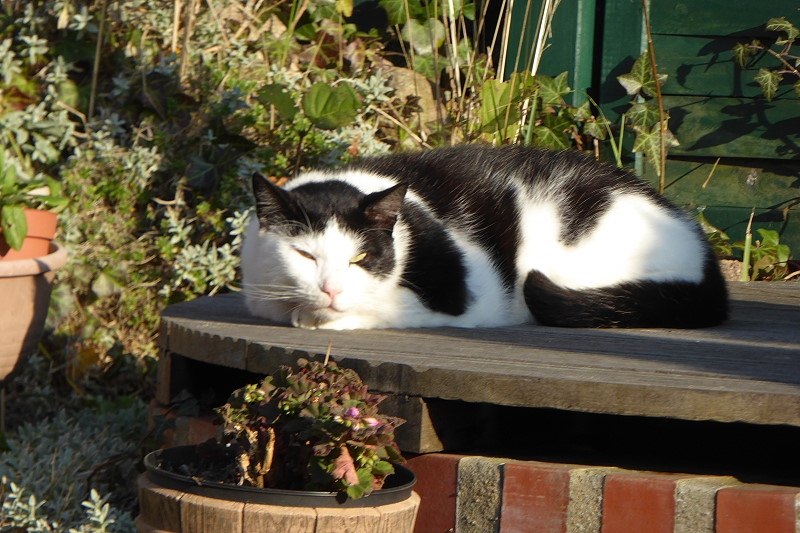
(483,495)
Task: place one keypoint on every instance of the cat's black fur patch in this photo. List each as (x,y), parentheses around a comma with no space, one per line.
(435,270)
(644,304)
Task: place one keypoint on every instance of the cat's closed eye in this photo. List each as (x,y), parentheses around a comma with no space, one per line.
(305,254)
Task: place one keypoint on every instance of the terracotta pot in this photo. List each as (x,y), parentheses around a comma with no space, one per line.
(25,286)
(175,503)
(41,230)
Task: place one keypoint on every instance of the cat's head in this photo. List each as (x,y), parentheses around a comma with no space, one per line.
(334,244)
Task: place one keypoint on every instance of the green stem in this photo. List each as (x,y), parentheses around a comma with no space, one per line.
(662,115)
(748,239)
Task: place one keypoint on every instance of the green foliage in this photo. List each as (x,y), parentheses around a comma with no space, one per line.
(534,109)
(17,195)
(70,461)
(330,107)
(640,79)
(316,427)
(769,259)
(770,79)
(644,117)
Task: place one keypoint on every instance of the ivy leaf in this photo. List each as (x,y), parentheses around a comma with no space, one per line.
(329,107)
(497,111)
(741,53)
(553,133)
(643,114)
(584,112)
(783,25)
(797,88)
(769,81)
(425,37)
(648,141)
(597,127)
(395,11)
(14,225)
(553,90)
(640,78)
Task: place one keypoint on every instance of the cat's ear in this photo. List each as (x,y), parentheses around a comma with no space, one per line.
(272,202)
(382,208)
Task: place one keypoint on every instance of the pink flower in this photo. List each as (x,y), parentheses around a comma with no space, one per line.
(352,412)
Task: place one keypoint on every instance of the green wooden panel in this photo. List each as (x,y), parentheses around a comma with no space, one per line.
(735,188)
(718,17)
(621,44)
(734,183)
(570,49)
(735,127)
(704,66)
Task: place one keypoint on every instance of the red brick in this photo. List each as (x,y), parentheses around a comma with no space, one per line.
(634,502)
(762,508)
(437,486)
(535,498)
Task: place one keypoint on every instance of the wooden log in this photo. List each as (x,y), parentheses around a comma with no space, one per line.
(201,514)
(159,507)
(164,510)
(259,518)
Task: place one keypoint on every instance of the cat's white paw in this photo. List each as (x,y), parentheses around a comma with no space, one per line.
(302,318)
(310,319)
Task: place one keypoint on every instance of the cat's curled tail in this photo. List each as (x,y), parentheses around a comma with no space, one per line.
(641,304)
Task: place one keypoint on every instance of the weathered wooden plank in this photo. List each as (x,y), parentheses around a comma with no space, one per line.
(718,17)
(621,44)
(736,187)
(734,127)
(747,369)
(704,66)
(734,182)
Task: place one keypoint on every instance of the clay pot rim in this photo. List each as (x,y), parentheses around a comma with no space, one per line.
(37,265)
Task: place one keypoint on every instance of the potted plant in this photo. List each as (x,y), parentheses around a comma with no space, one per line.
(305,448)
(28,261)
(28,211)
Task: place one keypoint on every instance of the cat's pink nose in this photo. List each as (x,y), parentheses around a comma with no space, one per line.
(332,290)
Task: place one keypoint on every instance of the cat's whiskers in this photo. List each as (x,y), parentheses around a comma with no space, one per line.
(284,293)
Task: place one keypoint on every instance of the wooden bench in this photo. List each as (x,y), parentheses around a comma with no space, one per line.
(747,370)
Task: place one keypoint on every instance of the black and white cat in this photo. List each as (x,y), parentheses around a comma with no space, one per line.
(476,236)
